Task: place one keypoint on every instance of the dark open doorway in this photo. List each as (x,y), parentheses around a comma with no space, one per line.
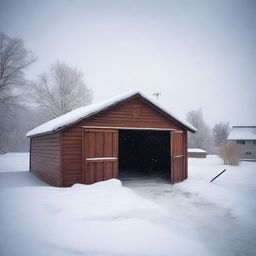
(144,153)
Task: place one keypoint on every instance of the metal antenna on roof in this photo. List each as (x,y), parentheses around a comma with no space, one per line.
(157,94)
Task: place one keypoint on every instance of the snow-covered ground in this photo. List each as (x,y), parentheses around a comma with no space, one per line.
(12,162)
(143,217)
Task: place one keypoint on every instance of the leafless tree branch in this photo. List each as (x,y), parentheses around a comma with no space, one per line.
(220,133)
(202,138)
(14,60)
(60,90)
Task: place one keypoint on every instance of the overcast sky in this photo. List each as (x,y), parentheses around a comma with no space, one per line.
(196,53)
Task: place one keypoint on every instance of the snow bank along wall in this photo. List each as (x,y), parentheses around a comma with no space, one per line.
(87,151)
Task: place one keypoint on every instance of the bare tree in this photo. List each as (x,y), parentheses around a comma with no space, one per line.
(230,153)
(60,90)
(14,60)
(202,138)
(220,133)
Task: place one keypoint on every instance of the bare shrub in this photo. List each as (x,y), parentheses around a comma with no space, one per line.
(230,153)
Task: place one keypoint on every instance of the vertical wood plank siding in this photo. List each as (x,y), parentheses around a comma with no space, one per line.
(46,157)
(100,144)
(179,165)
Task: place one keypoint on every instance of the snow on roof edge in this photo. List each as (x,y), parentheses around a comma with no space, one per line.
(89,110)
(168,112)
(242,133)
(196,150)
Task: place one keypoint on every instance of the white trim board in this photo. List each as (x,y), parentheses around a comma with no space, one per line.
(127,128)
(178,156)
(100,158)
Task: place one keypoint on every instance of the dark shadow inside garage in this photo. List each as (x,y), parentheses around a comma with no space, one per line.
(144,153)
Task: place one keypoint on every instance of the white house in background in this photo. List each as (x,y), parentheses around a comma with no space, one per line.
(245,136)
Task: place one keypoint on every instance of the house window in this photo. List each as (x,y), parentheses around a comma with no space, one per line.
(240,141)
(254,142)
(248,153)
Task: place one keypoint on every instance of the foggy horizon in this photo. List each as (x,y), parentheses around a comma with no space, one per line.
(197,54)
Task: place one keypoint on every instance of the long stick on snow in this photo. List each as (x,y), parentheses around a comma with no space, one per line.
(217,176)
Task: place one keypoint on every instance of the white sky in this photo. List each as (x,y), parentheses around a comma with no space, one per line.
(196,53)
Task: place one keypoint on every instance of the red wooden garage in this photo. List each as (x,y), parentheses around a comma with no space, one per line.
(128,136)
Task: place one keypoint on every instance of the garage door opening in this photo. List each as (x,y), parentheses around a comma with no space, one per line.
(144,153)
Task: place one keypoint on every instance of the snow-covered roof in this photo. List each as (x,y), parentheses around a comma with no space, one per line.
(242,133)
(84,112)
(196,150)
